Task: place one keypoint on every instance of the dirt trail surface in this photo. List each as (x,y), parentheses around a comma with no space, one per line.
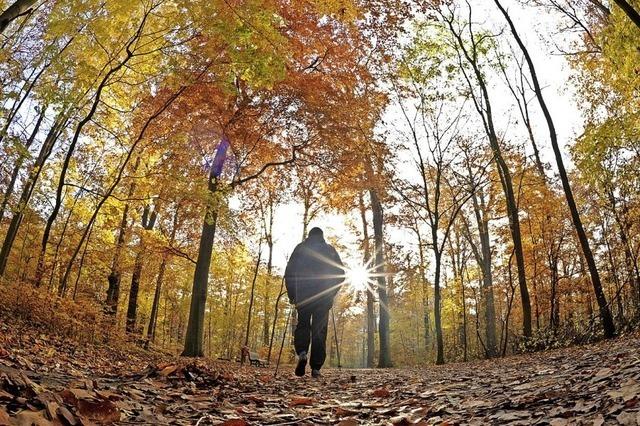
(48,382)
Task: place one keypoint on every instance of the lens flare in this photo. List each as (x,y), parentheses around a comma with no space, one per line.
(358,277)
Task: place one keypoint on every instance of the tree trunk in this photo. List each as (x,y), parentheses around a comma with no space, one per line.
(437,311)
(195,327)
(72,146)
(425,292)
(484,109)
(605,313)
(371,319)
(27,190)
(267,288)
(153,318)
(275,319)
(487,277)
(149,217)
(17,9)
(629,10)
(245,348)
(16,168)
(384,360)
(113,291)
(132,307)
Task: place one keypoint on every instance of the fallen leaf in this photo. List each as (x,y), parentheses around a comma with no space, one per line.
(627,418)
(52,410)
(168,370)
(68,417)
(344,412)
(31,418)
(5,420)
(300,400)
(348,422)
(381,393)
(100,411)
(235,422)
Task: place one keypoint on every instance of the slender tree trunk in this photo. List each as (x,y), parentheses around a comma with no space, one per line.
(426,320)
(251,299)
(631,12)
(113,291)
(275,319)
(605,313)
(84,253)
(19,161)
(153,318)
(384,360)
(267,288)
(437,303)
(484,109)
(74,140)
(371,319)
(27,190)
(62,289)
(487,279)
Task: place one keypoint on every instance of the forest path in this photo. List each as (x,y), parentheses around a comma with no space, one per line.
(595,384)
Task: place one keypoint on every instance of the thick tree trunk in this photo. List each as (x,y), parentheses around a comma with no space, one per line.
(195,328)
(17,9)
(605,313)
(384,360)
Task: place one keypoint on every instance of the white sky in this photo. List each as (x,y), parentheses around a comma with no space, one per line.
(536,28)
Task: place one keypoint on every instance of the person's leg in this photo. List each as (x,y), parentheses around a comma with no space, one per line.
(319,324)
(301,339)
(302,334)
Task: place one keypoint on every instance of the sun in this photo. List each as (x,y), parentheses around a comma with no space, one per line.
(358,277)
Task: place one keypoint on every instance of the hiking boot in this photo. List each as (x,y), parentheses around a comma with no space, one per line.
(302,363)
(315,373)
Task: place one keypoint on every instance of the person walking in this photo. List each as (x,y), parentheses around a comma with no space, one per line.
(313,276)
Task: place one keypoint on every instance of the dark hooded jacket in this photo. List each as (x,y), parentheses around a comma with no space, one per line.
(314,272)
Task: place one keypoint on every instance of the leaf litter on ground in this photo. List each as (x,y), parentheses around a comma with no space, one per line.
(48,383)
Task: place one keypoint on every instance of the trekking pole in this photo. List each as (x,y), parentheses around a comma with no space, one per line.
(335,335)
(284,337)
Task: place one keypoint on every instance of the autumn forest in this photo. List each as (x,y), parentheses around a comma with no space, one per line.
(477,161)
